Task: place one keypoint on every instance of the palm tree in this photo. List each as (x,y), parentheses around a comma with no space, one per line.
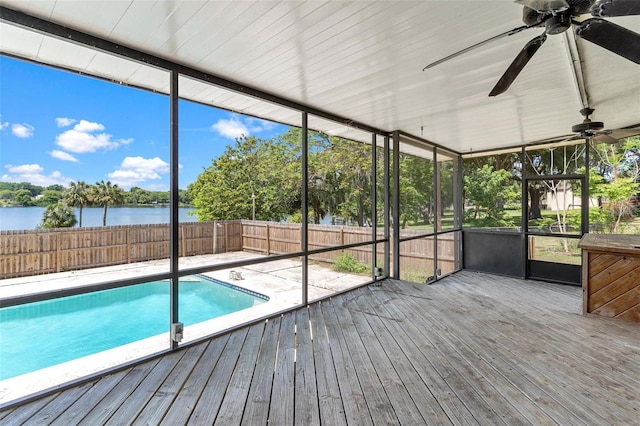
(106,194)
(58,215)
(78,195)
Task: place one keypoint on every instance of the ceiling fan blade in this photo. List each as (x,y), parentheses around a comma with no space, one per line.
(626,132)
(544,5)
(482,43)
(613,37)
(610,8)
(604,138)
(518,64)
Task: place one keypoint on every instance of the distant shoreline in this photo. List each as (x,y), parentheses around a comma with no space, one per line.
(28,218)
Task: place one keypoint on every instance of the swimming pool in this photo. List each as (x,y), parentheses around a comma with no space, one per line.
(42,334)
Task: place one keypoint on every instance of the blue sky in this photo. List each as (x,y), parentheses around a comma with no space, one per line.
(57,127)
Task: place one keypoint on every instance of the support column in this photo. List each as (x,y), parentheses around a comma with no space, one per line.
(374,206)
(524,222)
(387,231)
(304,146)
(396,205)
(174,201)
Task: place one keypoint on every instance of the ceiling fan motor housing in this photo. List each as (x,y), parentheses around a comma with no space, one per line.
(558,23)
(588,127)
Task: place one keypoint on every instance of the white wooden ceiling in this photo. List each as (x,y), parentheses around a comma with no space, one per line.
(362,60)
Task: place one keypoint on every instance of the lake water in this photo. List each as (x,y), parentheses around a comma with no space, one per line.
(14,218)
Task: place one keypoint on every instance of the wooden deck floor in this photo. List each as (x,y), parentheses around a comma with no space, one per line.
(471,349)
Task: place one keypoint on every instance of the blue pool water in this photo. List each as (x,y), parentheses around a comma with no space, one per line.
(42,334)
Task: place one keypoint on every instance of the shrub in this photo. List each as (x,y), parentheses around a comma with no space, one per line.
(347,263)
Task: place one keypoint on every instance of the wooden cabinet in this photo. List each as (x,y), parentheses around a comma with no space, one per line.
(611,275)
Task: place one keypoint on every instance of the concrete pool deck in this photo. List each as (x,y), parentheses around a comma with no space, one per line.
(280,280)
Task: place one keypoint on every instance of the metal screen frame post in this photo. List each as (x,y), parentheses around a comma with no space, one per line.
(304,237)
(436,206)
(585,190)
(524,220)
(387,245)
(458,208)
(174,201)
(374,206)
(396,205)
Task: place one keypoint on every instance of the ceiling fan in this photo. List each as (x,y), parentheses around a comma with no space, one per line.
(557,16)
(592,130)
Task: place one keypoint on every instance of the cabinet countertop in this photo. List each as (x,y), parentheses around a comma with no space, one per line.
(627,244)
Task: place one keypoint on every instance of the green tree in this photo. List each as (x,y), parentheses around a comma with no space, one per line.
(615,178)
(137,195)
(78,195)
(6,194)
(105,194)
(350,163)
(23,197)
(58,215)
(183,197)
(264,172)
(416,190)
(488,190)
(50,196)
(56,187)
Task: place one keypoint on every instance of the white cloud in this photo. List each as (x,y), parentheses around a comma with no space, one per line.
(3,125)
(64,121)
(237,126)
(232,128)
(257,125)
(64,156)
(83,138)
(88,126)
(22,130)
(33,173)
(135,170)
(24,168)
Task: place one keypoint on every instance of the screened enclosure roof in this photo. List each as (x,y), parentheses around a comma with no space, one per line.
(360,60)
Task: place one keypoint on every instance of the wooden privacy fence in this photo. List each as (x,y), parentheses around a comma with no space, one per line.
(34,252)
(42,251)
(279,238)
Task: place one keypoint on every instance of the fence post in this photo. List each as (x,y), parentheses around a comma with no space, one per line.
(184,241)
(268,241)
(58,253)
(128,245)
(215,237)
(226,237)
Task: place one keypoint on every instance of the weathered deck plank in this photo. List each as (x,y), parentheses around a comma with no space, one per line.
(353,399)
(102,410)
(206,410)
(235,397)
(417,390)
(470,349)
(306,409)
(380,406)
(189,394)
(281,410)
(74,412)
(329,400)
(161,399)
(542,355)
(405,331)
(59,405)
(256,411)
(140,397)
